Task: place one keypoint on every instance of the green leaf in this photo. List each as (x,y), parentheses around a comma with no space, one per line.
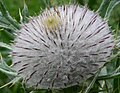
(112,58)
(12,82)
(103,7)
(3,20)
(4,23)
(5,45)
(25,14)
(7,16)
(112,4)
(93,82)
(5,68)
(116,81)
(106,7)
(110,76)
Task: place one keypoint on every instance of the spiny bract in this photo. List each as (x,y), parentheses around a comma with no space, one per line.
(61,47)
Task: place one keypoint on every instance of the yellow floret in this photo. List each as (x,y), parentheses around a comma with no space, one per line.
(52,22)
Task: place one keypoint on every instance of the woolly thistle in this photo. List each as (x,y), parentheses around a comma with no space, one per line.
(61,47)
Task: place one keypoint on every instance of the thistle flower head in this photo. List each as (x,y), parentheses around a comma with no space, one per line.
(61,47)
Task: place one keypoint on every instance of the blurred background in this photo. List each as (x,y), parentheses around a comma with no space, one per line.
(35,7)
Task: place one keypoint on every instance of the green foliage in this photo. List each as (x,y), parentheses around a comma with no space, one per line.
(107,7)
(7,17)
(108,81)
(25,14)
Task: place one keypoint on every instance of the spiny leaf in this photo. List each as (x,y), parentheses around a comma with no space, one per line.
(112,57)
(7,16)
(92,83)
(5,45)
(117,80)
(110,76)
(106,7)
(3,20)
(24,14)
(5,68)
(112,4)
(4,23)
(12,82)
(103,7)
